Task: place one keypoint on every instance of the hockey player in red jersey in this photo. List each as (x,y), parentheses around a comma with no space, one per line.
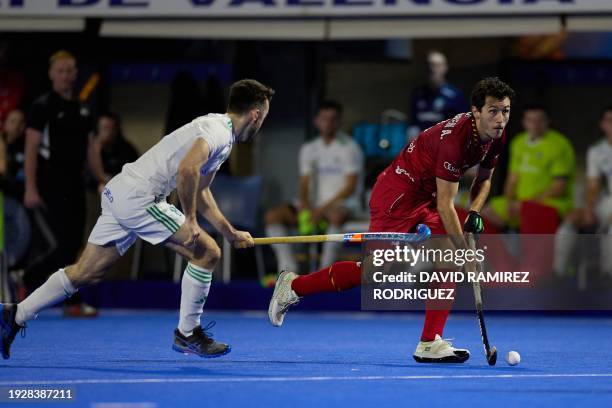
(419,187)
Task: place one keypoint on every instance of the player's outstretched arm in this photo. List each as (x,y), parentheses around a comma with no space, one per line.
(208,208)
(481,186)
(445,197)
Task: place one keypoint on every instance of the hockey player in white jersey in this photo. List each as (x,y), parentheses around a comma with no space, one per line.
(134,205)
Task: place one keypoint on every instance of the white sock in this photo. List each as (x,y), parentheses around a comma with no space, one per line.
(565,244)
(57,288)
(284,257)
(194,291)
(330,249)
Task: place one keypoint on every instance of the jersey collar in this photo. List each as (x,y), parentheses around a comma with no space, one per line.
(230,126)
(475,133)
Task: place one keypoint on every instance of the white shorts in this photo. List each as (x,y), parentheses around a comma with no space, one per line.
(130,211)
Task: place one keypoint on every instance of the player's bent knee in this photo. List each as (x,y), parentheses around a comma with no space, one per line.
(81,275)
(213,254)
(209,257)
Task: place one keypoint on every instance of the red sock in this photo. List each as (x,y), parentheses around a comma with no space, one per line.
(436,313)
(434,324)
(335,278)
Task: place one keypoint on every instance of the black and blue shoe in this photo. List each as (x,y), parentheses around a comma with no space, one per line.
(200,343)
(8,327)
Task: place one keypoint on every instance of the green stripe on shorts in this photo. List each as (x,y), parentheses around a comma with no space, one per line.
(158,219)
(163,218)
(170,220)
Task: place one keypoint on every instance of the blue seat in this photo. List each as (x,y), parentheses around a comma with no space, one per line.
(395,134)
(383,141)
(238,199)
(366,135)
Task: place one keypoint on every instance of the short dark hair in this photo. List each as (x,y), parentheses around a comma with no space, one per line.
(606,110)
(537,107)
(247,94)
(490,86)
(329,104)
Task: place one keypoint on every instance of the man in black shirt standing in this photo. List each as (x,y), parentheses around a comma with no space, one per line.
(55,159)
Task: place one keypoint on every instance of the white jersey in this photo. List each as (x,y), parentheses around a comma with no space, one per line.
(328,165)
(599,162)
(157,168)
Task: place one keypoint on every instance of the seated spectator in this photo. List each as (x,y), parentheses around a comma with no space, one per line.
(541,169)
(596,216)
(330,187)
(12,142)
(108,150)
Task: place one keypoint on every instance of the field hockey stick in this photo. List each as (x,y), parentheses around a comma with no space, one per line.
(423,233)
(490,352)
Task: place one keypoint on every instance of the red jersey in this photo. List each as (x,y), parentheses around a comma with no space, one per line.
(446,150)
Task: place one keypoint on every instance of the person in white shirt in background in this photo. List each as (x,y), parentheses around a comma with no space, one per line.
(330,188)
(596,215)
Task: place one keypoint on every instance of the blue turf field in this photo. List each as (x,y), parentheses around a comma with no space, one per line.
(355,360)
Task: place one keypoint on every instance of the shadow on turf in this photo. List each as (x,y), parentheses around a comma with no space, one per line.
(206,367)
(472,366)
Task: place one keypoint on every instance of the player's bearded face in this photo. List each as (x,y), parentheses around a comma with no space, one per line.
(493,117)
(258,117)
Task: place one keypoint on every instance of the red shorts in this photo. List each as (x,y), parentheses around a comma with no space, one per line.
(395,210)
